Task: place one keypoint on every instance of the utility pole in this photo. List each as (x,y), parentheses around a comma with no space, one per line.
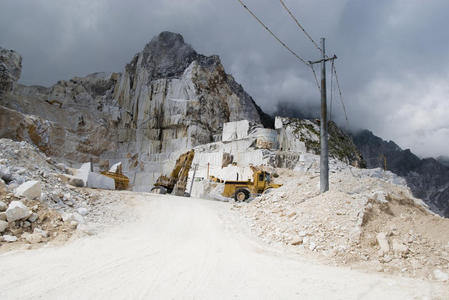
(324,157)
(324,154)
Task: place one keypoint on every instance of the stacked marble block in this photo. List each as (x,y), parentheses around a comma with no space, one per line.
(248,143)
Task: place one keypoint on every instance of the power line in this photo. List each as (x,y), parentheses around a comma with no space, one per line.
(341,96)
(271,32)
(300,26)
(316,78)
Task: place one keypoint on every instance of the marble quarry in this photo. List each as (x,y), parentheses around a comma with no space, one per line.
(167,100)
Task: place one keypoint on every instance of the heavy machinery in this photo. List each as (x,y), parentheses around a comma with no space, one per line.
(121,181)
(177,181)
(241,190)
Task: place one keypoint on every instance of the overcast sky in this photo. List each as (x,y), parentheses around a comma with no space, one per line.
(393,55)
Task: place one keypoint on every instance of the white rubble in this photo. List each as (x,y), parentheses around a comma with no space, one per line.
(3,226)
(3,187)
(86,229)
(17,211)
(399,248)
(32,238)
(33,218)
(440,275)
(3,206)
(43,233)
(83,211)
(69,217)
(9,238)
(30,189)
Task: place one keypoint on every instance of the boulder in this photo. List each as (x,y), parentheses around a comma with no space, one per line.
(33,218)
(82,211)
(83,173)
(17,211)
(2,216)
(3,188)
(5,174)
(399,248)
(383,243)
(9,238)
(3,206)
(62,167)
(43,233)
(86,229)
(67,217)
(98,181)
(33,238)
(73,224)
(72,180)
(30,189)
(3,226)
(440,275)
(78,182)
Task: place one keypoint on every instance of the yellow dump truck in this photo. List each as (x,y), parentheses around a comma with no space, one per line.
(242,190)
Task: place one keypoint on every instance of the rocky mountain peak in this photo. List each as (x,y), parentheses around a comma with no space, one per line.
(167,56)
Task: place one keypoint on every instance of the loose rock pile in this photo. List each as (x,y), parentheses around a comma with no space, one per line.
(364,220)
(36,202)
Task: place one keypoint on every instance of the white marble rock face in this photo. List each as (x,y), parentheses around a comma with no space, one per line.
(167,100)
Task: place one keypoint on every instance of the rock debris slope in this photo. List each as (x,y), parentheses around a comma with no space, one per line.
(37,205)
(368,218)
(427,178)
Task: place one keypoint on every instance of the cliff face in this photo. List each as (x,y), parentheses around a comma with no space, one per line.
(176,98)
(168,99)
(427,178)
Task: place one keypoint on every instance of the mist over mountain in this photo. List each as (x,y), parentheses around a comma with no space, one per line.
(427,178)
(294,110)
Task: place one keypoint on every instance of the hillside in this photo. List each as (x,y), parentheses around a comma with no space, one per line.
(427,178)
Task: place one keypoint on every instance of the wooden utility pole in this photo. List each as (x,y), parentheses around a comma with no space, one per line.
(324,154)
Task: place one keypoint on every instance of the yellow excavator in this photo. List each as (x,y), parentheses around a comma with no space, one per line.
(177,181)
(121,181)
(242,190)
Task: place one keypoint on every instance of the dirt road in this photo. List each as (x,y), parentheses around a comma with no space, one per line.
(182,248)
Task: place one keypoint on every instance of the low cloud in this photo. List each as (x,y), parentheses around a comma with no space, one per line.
(393,58)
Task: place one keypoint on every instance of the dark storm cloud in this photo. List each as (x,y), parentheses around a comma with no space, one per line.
(393,54)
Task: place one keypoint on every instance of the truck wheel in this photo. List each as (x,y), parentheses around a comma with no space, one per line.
(241,195)
(159,190)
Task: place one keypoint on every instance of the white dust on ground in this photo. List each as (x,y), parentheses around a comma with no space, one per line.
(182,248)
